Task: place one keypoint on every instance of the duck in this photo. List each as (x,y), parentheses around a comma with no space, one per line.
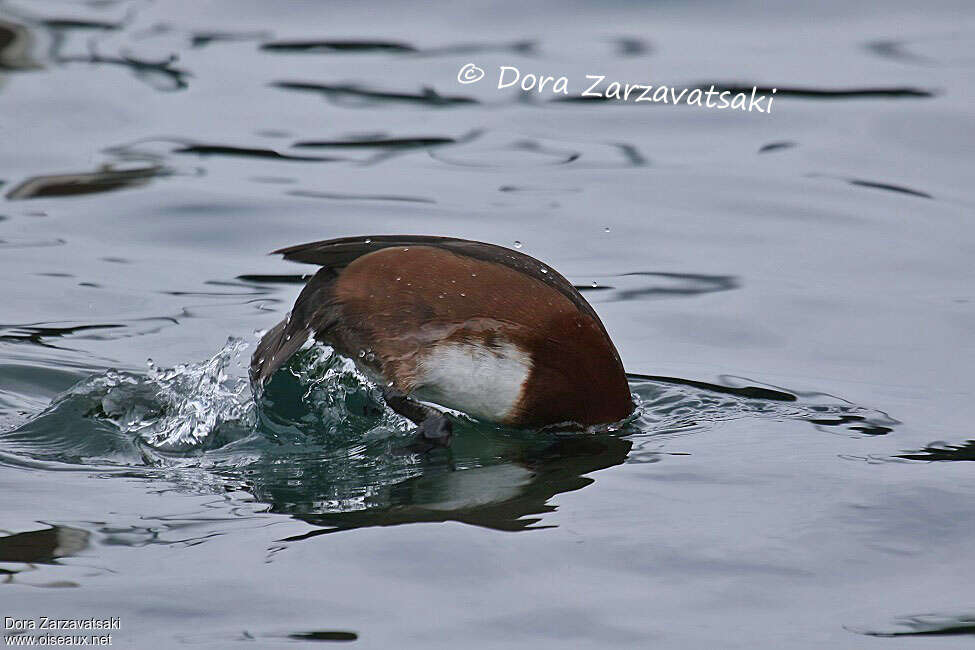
(457,324)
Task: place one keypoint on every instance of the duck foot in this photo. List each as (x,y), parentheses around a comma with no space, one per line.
(434,429)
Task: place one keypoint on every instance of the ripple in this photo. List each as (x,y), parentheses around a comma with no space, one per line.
(378,143)
(16,43)
(330,46)
(42,333)
(161,75)
(324,635)
(274,279)
(941,451)
(628,46)
(246,152)
(924,625)
(320,443)
(947,49)
(103,180)
(877,185)
(644,285)
(38,335)
(356,95)
(371,46)
(896,50)
(339,196)
(204,38)
(670,404)
(75,23)
(777,146)
(502,150)
(26,242)
(889,187)
(814,92)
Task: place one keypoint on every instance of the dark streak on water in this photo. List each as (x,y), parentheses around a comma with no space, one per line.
(809,92)
(890,187)
(163,75)
(359,197)
(944,451)
(777,146)
(248,152)
(104,180)
(346,92)
(274,279)
(324,635)
(928,625)
(337,46)
(378,143)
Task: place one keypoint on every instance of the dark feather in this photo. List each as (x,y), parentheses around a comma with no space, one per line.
(339,253)
(314,312)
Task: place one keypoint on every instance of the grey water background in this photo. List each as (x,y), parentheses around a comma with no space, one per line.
(823,251)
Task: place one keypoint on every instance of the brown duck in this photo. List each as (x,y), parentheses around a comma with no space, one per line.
(466,325)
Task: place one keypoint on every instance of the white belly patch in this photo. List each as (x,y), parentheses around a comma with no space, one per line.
(485,382)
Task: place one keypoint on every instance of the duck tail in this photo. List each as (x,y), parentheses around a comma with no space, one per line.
(313,314)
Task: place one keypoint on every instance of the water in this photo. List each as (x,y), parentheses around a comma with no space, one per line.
(795,289)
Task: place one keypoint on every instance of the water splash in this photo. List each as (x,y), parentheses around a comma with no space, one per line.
(193,402)
(122,418)
(321,444)
(320,403)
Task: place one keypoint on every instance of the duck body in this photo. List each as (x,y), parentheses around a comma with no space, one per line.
(470,326)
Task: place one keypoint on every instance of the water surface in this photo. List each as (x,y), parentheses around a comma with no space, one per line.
(791,291)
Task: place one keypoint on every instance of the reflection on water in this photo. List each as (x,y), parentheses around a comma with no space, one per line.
(43,546)
(365,46)
(812,92)
(21,551)
(943,451)
(501,496)
(356,95)
(15,47)
(247,152)
(925,625)
(103,180)
(385,47)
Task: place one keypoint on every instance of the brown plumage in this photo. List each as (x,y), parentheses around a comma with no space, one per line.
(464,324)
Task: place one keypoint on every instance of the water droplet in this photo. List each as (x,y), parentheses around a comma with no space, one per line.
(405,249)
(398,278)
(594,285)
(453,282)
(368,241)
(544,270)
(606,229)
(463,295)
(517,244)
(473,275)
(362,353)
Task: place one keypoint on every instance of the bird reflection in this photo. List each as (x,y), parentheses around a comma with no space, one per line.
(512,494)
(43,546)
